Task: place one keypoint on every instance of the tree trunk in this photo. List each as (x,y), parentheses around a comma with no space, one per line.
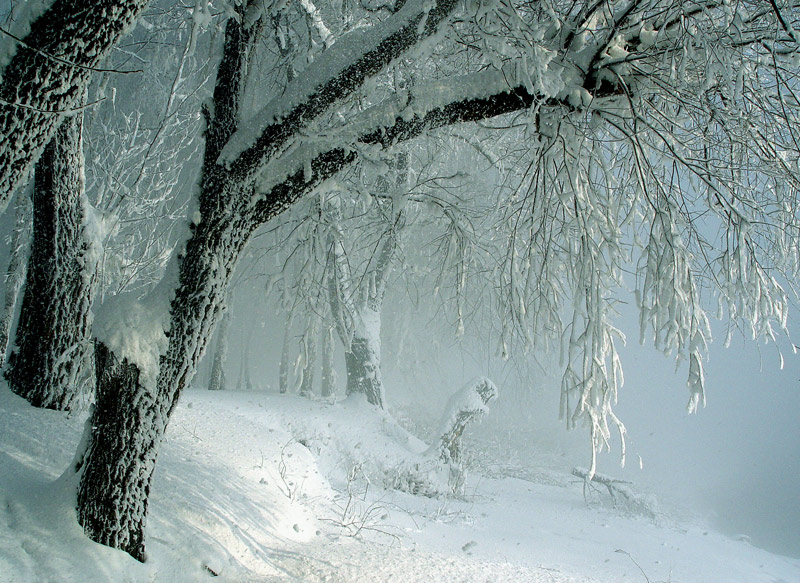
(129,420)
(244,380)
(127,428)
(328,376)
(217,381)
(17,270)
(363,363)
(283,367)
(310,361)
(48,365)
(117,467)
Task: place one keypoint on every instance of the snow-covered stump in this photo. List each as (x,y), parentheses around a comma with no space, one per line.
(466,405)
(48,365)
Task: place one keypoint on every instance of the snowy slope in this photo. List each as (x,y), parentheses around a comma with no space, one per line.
(264,488)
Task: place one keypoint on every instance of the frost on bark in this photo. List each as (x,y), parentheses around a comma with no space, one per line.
(17,270)
(48,364)
(217,381)
(48,74)
(130,419)
(356,305)
(363,363)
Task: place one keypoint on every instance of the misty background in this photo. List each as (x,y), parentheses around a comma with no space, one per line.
(734,465)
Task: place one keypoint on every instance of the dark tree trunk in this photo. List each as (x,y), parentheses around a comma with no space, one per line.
(47,76)
(49,364)
(363,363)
(17,270)
(129,420)
(217,381)
(128,427)
(117,467)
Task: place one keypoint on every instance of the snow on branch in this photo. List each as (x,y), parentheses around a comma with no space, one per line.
(309,162)
(43,85)
(619,491)
(334,75)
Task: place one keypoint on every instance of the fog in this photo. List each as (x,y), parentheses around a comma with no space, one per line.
(737,461)
(734,465)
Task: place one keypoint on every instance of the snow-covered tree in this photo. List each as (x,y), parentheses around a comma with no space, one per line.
(49,364)
(130,186)
(652,113)
(46,66)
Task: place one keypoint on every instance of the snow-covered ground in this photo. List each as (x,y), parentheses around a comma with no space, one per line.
(257,487)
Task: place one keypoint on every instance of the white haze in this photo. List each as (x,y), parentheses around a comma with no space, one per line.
(734,464)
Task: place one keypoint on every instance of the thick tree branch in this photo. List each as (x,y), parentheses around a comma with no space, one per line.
(307,168)
(336,74)
(35,83)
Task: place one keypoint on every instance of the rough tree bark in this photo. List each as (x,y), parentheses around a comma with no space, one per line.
(48,365)
(130,421)
(48,74)
(16,271)
(363,364)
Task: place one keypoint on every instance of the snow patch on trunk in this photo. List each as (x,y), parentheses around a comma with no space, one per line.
(134,327)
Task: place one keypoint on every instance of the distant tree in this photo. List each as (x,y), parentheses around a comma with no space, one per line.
(17,269)
(217,381)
